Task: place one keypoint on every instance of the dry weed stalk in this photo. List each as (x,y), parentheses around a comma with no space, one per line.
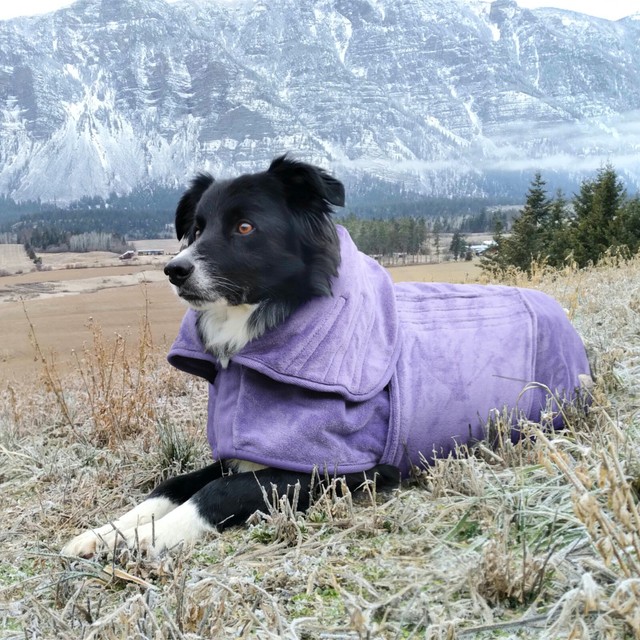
(606,503)
(50,374)
(117,386)
(281,522)
(510,574)
(12,400)
(120,384)
(332,503)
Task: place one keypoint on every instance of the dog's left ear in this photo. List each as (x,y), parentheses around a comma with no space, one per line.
(304,181)
(186,210)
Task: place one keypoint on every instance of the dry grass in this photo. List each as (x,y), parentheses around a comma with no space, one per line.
(535,540)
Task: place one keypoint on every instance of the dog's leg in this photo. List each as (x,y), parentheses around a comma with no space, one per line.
(230,500)
(161,501)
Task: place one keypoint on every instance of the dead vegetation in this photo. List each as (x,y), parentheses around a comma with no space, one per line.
(535,540)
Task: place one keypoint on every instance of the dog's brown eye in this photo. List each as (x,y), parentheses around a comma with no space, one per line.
(244,228)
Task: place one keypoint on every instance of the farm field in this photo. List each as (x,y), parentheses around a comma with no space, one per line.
(60,302)
(455,272)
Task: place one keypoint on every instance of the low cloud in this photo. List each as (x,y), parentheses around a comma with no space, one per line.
(571,148)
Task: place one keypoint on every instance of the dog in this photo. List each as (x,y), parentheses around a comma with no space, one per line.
(319,366)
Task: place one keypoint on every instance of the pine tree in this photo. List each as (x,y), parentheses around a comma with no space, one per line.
(458,246)
(422,236)
(603,218)
(493,260)
(527,240)
(436,230)
(556,238)
(598,225)
(630,221)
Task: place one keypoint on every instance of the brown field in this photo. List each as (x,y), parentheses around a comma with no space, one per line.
(60,302)
(457,272)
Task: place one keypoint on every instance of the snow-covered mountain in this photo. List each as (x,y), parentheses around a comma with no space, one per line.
(439,96)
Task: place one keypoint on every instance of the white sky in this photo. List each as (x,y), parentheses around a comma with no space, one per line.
(611,9)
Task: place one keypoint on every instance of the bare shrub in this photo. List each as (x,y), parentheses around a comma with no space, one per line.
(117,385)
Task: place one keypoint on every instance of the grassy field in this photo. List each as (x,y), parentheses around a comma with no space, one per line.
(536,540)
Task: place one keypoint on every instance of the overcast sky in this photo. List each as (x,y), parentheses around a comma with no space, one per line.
(611,9)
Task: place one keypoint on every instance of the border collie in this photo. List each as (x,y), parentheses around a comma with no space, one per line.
(319,366)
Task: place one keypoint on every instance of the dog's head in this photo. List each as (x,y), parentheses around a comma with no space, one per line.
(260,237)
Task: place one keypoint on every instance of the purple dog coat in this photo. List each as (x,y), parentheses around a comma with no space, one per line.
(382,373)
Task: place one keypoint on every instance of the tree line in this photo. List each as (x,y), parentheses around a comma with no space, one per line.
(53,239)
(599,219)
(472,210)
(384,237)
(417,235)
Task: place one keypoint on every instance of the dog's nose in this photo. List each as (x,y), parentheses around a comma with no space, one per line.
(178,270)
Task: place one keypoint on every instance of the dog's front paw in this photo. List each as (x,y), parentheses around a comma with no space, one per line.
(120,532)
(151,539)
(183,526)
(87,544)
(101,542)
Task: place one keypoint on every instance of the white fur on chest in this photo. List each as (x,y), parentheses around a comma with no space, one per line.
(225,329)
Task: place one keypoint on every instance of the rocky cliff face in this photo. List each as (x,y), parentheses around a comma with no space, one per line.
(438,96)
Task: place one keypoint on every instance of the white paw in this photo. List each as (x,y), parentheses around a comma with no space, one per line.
(87,544)
(105,538)
(183,526)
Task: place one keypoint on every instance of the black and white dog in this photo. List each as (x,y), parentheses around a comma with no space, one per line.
(317,361)
(256,248)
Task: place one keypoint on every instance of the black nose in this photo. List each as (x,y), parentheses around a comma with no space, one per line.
(179,270)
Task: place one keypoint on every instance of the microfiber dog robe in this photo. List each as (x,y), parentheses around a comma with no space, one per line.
(384,373)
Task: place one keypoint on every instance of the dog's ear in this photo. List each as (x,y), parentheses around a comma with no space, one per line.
(304,181)
(186,210)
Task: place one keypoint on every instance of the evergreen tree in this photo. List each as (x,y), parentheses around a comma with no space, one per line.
(436,231)
(494,260)
(527,240)
(422,236)
(556,237)
(598,225)
(458,246)
(603,218)
(630,221)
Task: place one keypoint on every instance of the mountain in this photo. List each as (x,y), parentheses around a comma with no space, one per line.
(440,97)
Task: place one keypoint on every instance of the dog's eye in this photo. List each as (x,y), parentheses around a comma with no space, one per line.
(197,233)
(244,228)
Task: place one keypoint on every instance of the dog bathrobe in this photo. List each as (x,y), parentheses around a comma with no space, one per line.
(384,373)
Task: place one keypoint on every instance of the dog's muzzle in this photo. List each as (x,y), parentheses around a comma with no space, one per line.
(178,270)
